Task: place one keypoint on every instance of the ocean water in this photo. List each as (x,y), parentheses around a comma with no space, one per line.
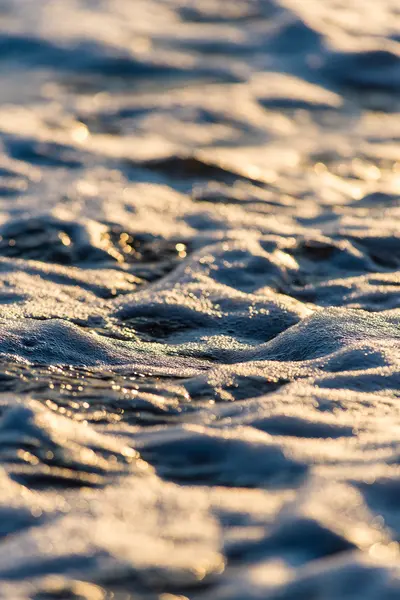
(200,299)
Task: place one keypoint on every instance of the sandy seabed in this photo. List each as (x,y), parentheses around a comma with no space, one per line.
(200,299)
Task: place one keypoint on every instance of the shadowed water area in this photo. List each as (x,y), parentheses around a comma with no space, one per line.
(199,300)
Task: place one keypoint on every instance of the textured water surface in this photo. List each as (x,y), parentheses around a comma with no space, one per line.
(200,299)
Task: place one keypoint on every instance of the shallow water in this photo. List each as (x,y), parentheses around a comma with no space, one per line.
(199,299)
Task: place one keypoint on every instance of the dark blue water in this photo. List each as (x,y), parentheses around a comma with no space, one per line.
(199,300)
